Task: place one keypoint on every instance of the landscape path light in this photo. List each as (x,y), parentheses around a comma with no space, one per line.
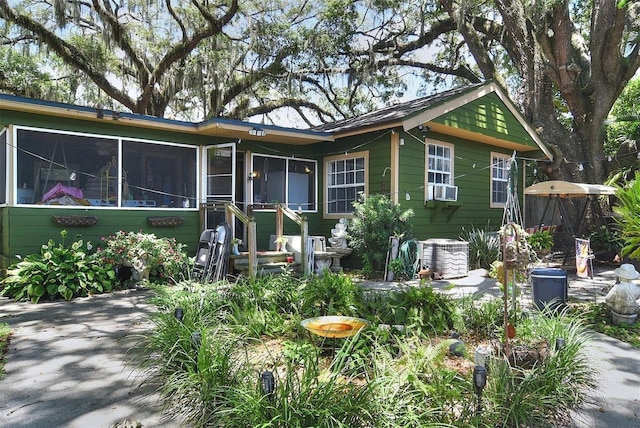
(479,382)
(268,383)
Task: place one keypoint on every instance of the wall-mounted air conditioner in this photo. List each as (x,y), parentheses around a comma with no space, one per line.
(443,192)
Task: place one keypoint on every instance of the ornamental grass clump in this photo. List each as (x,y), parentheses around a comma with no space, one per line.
(544,394)
(161,258)
(209,360)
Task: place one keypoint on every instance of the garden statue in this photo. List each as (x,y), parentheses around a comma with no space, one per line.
(338,244)
(339,235)
(622,298)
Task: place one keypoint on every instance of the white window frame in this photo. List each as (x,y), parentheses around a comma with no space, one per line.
(314,207)
(328,161)
(119,140)
(499,173)
(8,194)
(428,185)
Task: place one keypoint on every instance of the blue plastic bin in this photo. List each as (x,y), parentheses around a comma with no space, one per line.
(549,287)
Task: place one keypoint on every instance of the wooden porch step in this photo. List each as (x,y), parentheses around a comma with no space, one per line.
(269,262)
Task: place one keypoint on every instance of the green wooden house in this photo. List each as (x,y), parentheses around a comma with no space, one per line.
(93,171)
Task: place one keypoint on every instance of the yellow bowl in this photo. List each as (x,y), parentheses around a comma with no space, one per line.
(334,326)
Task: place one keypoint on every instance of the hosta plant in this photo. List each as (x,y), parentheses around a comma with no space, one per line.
(58,271)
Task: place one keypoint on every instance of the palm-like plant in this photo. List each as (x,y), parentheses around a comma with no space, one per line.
(627,217)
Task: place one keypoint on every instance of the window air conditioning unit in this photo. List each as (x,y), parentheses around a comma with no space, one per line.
(445,192)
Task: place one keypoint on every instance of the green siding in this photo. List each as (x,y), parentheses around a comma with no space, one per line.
(473,183)
(474,187)
(24,230)
(488,116)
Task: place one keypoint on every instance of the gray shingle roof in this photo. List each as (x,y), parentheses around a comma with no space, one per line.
(393,113)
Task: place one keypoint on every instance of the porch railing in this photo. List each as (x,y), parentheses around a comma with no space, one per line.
(282,211)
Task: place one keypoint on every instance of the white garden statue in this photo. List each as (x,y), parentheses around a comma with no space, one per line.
(339,235)
(338,244)
(622,298)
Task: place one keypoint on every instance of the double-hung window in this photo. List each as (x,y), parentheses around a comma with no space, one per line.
(345,180)
(439,166)
(499,179)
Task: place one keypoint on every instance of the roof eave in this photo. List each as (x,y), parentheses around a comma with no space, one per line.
(217,127)
(480,138)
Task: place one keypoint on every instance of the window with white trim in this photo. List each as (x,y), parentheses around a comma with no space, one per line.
(284,180)
(76,169)
(499,179)
(345,179)
(439,166)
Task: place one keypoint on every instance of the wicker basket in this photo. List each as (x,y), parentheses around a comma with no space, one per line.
(165,221)
(75,220)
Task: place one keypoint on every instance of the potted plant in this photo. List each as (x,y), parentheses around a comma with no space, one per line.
(148,255)
(235,242)
(541,242)
(605,243)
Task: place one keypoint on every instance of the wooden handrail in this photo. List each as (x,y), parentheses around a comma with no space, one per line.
(294,216)
(304,232)
(231,210)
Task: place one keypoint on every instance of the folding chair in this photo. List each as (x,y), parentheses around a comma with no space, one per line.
(219,260)
(206,246)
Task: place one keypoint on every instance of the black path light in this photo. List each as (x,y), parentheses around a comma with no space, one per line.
(179,314)
(479,382)
(560,343)
(268,383)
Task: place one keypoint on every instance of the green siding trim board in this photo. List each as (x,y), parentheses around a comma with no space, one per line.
(108,128)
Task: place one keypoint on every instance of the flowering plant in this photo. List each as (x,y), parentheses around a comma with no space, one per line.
(281,243)
(161,258)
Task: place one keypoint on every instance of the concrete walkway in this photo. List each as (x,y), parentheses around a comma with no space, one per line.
(66,362)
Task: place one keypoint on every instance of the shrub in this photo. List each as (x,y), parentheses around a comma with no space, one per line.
(542,240)
(482,319)
(484,246)
(375,219)
(165,258)
(58,271)
(330,294)
(627,218)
